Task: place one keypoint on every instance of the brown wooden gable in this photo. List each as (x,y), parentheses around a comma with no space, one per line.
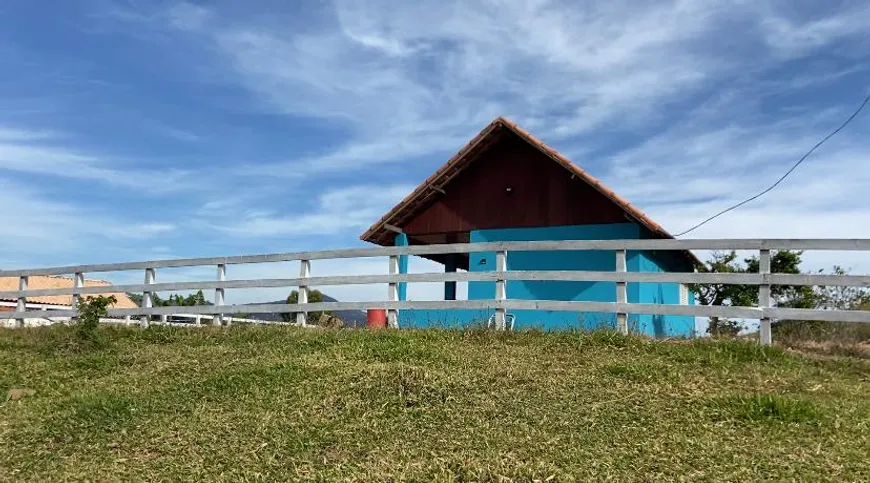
(513,185)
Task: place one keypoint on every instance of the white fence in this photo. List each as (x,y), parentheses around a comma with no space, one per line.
(500,302)
(175,320)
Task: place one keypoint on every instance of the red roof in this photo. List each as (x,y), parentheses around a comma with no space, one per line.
(419,199)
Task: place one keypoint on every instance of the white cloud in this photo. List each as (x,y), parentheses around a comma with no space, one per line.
(12,134)
(187,16)
(335,211)
(43,228)
(405,92)
(562,69)
(37,152)
(689,173)
(790,36)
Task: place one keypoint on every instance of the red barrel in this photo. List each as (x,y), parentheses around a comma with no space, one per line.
(376,318)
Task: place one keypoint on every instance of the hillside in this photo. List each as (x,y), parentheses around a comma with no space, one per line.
(351,318)
(282,403)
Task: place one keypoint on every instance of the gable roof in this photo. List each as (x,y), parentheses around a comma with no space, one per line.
(39,282)
(425,194)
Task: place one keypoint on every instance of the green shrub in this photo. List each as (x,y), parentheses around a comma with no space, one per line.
(314,296)
(91,309)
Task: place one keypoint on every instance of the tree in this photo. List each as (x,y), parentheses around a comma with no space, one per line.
(193,299)
(790,296)
(314,296)
(783,261)
(843,298)
(719,293)
(174,300)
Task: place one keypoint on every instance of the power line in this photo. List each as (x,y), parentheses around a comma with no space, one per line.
(774,185)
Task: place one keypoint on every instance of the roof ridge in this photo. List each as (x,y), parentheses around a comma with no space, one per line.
(63,277)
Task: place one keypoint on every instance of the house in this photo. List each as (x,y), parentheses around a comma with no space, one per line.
(53,302)
(506,185)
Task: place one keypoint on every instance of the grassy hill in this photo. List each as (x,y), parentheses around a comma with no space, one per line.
(281,403)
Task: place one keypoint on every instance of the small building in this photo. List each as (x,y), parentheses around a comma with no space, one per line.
(52,302)
(506,185)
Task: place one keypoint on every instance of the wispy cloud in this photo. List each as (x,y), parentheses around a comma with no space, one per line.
(335,211)
(56,231)
(40,153)
(561,69)
(23,135)
(790,34)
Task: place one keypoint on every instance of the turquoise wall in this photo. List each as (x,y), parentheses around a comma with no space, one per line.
(570,291)
(659,293)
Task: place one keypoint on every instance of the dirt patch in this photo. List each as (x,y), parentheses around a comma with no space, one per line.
(18,393)
(831,349)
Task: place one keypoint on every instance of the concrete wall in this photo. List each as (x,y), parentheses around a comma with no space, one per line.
(571,291)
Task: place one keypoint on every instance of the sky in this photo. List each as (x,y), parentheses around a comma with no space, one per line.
(136,130)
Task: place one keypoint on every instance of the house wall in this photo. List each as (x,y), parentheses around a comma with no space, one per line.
(660,293)
(568,291)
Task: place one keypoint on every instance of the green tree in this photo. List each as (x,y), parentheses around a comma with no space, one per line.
(783,261)
(720,293)
(174,300)
(843,298)
(789,296)
(191,300)
(314,296)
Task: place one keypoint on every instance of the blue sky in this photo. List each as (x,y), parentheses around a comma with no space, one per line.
(139,130)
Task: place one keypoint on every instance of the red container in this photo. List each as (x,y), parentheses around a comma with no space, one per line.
(376,318)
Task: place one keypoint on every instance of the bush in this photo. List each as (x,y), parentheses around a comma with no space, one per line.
(820,331)
(833,338)
(91,309)
(314,296)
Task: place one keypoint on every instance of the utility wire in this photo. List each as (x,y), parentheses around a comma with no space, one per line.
(780,180)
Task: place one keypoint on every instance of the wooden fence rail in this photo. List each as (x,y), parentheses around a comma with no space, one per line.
(500,302)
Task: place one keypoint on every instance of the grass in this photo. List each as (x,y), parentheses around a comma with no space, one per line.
(277,403)
(826,338)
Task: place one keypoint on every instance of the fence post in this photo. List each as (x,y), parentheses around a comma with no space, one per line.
(304,272)
(764,331)
(500,289)
(147,301)
(22,300)
(78,282)
(621,293)
(393,293)
(219,294)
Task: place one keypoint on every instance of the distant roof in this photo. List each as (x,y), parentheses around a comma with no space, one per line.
(35,282)
(423,195)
